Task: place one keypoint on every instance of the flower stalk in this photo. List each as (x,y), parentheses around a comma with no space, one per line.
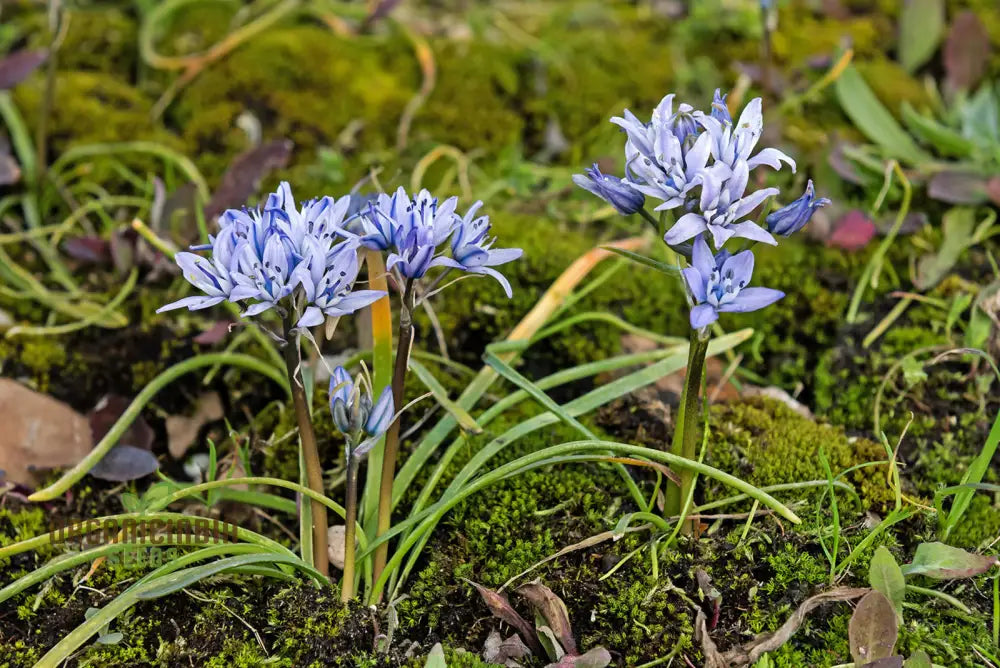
(405,339)
(310,452)
(350,527)
(687,434)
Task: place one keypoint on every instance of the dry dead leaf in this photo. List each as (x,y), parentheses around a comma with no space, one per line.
(39,432)
(182,431)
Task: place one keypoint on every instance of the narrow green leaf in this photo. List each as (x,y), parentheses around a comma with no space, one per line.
(436,658)
(188,576)
(885,575)
(944,562)
(874,120)
(465,421)
(944,139)
(921,28)
(662,267)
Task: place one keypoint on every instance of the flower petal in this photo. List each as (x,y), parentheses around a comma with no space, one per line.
(753,232)
(701,257)
(752,299)
(255,309)
(752,201)
(703,315)
(771,157)
(311,318)
(695,283)
(689,225)
(191,303)
(739,268)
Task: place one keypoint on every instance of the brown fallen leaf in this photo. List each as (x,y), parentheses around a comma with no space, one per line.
(966,52)
(182,431)
(39,432)
(750,652)
(244,175)
(552,608)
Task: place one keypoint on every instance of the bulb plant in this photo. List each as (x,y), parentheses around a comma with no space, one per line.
(301,262)
(699,163)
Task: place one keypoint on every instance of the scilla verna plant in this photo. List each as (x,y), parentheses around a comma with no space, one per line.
(290,261)
(700,163)
(301,263)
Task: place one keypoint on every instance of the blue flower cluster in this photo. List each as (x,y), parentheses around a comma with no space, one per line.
(275,253)
(415,231)
(701,162)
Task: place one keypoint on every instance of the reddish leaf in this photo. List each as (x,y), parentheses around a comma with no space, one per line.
(595,658)
(552,608)
(873,630)
(853,232)
(16,67)
(244,174)
(966,52)
(91,250)
(502,610)
(887,662)
(213,334)
(957,187)
(106,412)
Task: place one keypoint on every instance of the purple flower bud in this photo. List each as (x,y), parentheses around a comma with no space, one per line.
(794,216)
(720,111)
(615,191)
(381,414)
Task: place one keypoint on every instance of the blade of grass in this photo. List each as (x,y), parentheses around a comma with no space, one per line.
(72,476)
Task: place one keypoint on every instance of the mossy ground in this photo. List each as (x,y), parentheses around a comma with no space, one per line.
(506,91)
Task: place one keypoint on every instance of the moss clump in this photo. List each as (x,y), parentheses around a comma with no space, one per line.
(303,83)
(473,105)
(766,443)
(89,108)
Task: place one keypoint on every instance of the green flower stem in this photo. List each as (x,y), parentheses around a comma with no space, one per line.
(165,377)
(310,453)
(686,436)
(350,520)
(392,436)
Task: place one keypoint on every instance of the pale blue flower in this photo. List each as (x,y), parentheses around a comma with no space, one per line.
(666,158)
(733,144)
(472,249)
(721,211)
(265,255)
(793,217)
(719,284)
(614,190)
(412,229)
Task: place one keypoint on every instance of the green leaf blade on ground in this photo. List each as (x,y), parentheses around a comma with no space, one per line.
(871,117)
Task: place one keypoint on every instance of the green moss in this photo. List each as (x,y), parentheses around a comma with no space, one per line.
(473,105)
(91,107)
(302,83)
(766,443)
